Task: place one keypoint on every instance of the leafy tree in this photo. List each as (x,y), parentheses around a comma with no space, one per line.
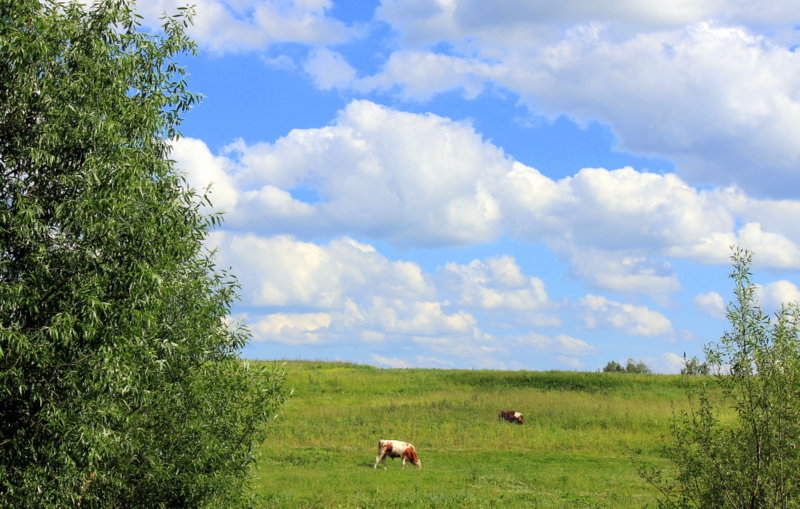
(737,445)
(613,367)
(120,378)
(694,366)
(631,367)
(637,367)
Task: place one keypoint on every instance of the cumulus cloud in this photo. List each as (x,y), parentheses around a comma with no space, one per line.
(775,250)
(425,180)
(345,292)
(292,328)
(307,293)
(509,22)
(728,113)
(242,25)
(416,179)
(617,270)
(496,283)
(206,172)
(598,312)
(728,103)
(570,362)
(329,69)
(669,363)
(773,295)
(390,361)
(432,361)
(710,303)
(282,271)
(560,344)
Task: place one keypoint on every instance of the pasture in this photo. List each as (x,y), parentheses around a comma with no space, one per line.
(584,438)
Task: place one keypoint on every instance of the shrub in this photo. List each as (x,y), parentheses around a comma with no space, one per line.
(740,450)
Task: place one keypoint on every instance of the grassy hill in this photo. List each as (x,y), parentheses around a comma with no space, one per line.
(584,438)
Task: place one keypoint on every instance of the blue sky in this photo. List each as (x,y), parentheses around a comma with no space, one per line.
(531,185)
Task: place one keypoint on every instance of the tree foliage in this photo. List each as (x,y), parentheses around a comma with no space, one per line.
(631,366)
(120,381)
(694,366)
(737,446)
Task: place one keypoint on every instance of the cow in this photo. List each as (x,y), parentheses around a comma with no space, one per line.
(511,416)
(396,449)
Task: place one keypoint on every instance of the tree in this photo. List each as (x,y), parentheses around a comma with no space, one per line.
(737,445)
(637,367)
(613,367)
(694,366)
(630,367)
(120,377)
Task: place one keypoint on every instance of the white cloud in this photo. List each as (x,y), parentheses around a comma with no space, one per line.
(475,346)
(243,25)
(718,99)
(282,271)
(494,284)
(560,344)
(424,180)
(274,202)
(774,250)
(432,361)
(510,23)
(570,362)
(206,171)
(710,303)
(419,75)
(406,318)
(355,292)
(610,209)
(416,179)
(291,328)
(599,312)
(329,69)
(621,272)
(389,361)
(771,296)
(669,363)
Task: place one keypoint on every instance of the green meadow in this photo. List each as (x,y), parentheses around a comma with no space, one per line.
(585,436)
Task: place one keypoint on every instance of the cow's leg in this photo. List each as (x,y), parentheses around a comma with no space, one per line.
(380,458)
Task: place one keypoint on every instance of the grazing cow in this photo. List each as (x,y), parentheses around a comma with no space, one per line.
(396,449)
(511,416)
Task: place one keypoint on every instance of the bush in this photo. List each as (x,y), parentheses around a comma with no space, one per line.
(740,449)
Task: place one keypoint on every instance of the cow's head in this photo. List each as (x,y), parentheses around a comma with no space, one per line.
(518,417)
(411,455)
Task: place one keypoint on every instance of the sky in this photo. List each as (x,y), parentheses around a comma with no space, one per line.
(495,185)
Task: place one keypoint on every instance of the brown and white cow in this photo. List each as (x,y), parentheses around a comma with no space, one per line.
(396,449)
(511,416)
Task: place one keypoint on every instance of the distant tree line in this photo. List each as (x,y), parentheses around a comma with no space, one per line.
(631,366)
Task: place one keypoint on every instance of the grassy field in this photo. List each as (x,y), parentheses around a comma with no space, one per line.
(584,438)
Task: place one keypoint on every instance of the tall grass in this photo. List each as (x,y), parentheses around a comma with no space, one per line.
(584,437)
